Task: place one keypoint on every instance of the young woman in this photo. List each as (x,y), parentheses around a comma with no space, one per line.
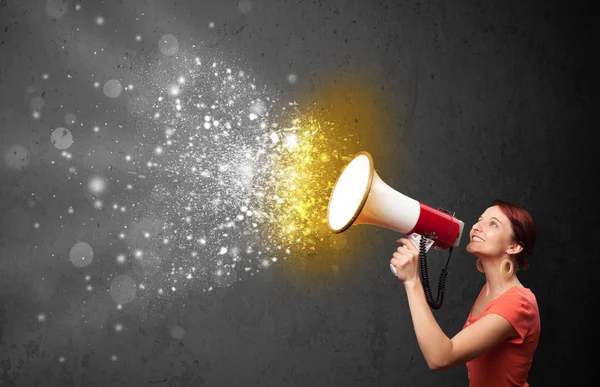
(501,333)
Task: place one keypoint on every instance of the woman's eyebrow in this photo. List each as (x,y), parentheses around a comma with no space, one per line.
(493,217)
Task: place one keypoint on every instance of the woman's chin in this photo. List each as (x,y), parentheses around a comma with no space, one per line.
(470,248)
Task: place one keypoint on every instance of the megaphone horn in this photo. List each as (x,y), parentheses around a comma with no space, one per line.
(361,197)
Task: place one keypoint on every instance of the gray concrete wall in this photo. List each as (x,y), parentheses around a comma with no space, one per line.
(459,102)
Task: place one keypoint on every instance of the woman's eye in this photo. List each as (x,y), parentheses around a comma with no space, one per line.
(494,224)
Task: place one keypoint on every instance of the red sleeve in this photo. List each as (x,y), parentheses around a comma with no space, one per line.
(515,307)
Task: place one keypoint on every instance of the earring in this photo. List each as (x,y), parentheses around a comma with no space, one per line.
(507,267)
(479,266)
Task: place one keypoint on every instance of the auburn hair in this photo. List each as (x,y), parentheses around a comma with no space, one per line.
(523,229)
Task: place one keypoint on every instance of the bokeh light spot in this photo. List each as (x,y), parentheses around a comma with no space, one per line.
(81,254)
(168,45)
(113,88)
(61,138)
(123,289)
(16,157)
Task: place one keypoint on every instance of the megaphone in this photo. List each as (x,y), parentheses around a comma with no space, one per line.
(359,196)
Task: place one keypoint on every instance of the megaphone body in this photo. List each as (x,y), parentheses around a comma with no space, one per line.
(361,197)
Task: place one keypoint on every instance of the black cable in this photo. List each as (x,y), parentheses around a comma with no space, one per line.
(437,303)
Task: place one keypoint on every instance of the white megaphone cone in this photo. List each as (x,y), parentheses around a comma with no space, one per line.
(361,197)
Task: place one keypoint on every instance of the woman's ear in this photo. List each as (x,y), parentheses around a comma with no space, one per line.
(514,248)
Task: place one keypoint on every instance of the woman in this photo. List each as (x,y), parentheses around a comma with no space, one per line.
(501,333)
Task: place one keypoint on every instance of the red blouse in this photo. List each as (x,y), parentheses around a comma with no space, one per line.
(508,363)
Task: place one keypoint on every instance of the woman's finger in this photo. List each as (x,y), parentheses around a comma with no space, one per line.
(408,244)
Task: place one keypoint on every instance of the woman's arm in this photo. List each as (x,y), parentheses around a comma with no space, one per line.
(439,351)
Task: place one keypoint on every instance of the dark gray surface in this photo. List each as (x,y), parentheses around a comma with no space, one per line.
(482,100)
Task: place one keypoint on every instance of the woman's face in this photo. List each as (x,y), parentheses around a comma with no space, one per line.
(491,235)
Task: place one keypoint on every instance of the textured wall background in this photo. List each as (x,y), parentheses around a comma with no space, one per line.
(462,102)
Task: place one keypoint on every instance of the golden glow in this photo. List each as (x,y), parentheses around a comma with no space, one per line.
(301,186)
(343,117)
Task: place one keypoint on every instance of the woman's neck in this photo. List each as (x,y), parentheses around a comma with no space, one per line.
(497,282)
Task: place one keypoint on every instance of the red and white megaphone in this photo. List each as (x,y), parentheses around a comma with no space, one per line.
(361,197)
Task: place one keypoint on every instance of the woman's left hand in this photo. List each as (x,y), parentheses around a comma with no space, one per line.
(406,261)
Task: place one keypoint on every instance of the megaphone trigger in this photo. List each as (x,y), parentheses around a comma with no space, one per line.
(393,270)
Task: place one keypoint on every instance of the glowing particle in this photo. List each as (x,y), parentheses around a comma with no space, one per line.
(291,141)
(100,20)
(118,327)
(97,185)
(41,317)
(36,225)
(121,258)
(292,78)
(138,38)
(274,138)
(169,132)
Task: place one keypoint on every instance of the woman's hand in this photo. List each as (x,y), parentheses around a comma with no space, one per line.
(406,261)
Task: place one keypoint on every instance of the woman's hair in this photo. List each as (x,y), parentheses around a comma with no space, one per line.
(523,229)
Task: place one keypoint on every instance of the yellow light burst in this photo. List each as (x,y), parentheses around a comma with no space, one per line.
(308,157)
(302,184)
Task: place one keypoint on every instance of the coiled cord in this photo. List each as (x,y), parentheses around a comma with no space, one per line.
(437,303)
